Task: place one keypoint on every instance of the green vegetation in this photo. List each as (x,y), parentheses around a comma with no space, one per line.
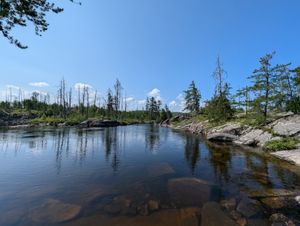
(192,98)
(271,89)
(71,109)
(283,144)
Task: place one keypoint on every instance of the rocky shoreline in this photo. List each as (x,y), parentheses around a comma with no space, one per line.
(286,125)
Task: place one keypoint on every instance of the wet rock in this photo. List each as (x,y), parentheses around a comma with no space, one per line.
(228,204)
(248,207)
(287,126)
(160,169)
(275,202)
(222,137)
(212,215)
(272,193)
(292,156)
(190,216)
(241,221)
(191,191)
(279,219)
(170,217)
(113,208)
(54,211)
(297,199)
(90,123)
(235,215)
(153,205)
(143,210)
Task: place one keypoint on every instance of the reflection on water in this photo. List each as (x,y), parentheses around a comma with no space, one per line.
(123,174)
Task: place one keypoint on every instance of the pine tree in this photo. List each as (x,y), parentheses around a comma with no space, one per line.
(264,85)
(192,98)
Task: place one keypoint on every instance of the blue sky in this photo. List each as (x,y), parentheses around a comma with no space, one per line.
(153,45)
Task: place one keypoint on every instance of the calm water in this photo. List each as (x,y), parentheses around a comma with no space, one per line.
(111,173)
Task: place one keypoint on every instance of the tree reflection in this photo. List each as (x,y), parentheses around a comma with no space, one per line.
(192,151)
(220,157)
(112,141)
(152,138)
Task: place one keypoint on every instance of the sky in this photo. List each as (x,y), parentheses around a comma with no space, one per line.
(154,47)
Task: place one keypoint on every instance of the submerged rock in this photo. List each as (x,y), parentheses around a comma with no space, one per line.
(54,211)
(248,207)
(153,205)
(191,191)
(170,217)
(228,204)
(160,169)
(212,215)
(278,219)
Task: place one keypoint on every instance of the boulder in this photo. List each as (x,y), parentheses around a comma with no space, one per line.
(153,205)
(278,219)
(212,215)
(287,126)
(228,204)
(54,211)
(90,123)
(191,191)
(160,169)
(248,207)
(254,137)
(222,137)
(229,128)
(292,156)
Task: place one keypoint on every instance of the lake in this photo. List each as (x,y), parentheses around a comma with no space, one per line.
(138,175)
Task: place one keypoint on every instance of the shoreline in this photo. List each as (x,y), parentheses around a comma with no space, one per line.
(286,126)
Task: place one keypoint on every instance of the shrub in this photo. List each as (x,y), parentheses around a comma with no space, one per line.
(283,144)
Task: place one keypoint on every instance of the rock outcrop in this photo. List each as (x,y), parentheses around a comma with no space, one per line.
(287,126)
(92,123)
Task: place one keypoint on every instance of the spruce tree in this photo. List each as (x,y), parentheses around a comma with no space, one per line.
(192,99)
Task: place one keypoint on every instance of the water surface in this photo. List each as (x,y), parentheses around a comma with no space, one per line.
(112,175)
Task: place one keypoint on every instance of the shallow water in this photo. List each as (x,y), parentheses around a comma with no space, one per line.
(129,176)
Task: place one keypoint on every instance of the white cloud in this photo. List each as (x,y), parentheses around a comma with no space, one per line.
(39,84)
(79,86)
(12,87)
(141,102)
(129,99)
(155,93)
(173,103)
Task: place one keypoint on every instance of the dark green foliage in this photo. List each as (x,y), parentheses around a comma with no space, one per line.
(153,108)
(219,107)
(21,13)
(293,104)
(192,99)
(283,144)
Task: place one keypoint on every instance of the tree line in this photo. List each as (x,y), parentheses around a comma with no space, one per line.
(82,104)
(271,88)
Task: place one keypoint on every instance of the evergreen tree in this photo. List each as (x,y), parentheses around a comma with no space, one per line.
(264,85)
(110,103)
(219,107)
(192,99)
